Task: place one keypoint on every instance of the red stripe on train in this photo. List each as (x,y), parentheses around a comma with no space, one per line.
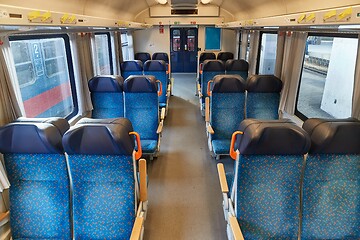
(46,100)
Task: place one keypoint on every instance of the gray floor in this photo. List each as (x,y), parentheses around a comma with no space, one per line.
(184,192)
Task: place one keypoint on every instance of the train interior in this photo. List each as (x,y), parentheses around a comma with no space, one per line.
(179,119)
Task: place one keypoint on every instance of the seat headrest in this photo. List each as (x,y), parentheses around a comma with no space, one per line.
(142,56)
(132,65)
(100,138)
(333,136)
(30,138)
(140,84)
(213,66)
(160,56)
(106,83)
(224,56)
(271,137)
(155,65)
(228,84)
(102,121)
(236,65)
(206,56)
(264,83)
(60,123)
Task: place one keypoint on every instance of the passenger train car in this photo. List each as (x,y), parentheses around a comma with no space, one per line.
(245,116)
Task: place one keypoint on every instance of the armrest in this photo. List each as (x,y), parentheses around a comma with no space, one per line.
(209,128)
(143,184)
(222,178)
(162,114)
(137,228)
(207,109)
(160,127)
(4,216)
(235,228)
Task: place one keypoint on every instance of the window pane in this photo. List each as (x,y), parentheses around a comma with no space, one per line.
(247,48)
(327,80)
(267,53)
(103,54)
(43,75)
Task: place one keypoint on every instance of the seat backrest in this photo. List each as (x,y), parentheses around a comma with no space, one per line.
(107,96)
(237,66)
(331,189)
(142,106)
(210,69)
(60,123)
(142,56)
(158,68)
(263,97)
(102,171)
(133,67)
(267,196)
(224,56)
(38,174)
(161,56)
(227,102)
(206,56)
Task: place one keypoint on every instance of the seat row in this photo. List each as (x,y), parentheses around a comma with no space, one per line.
(293,183)
(223,56)
(136,98)
(92,192)
(144,56)
(232,100)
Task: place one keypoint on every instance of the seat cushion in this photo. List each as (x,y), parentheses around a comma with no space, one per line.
(221,146)
(148,146)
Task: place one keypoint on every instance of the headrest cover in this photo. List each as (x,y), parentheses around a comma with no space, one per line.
(213,66)
(140,84)
(155,65)
(99,138)
(103,121)
(30,138)
(160,56)
(264,83)
(206,56)
(60,123)
(236,65)
(224,56)
(228,84)
(133,65)
(106,83)
(333,136)
(142,56)
(271,137)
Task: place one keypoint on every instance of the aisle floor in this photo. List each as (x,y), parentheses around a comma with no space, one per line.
(184,192)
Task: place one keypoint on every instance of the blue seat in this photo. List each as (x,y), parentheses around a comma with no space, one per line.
(238,66)
(204,56)
(263,97)
(142,109)
(331,191)
(158,69)
(210,69)
(107,96)
(40,186)
(142,56)
(133,67)
(60,123)
(161,56)
(265,197)
(224,56)
(101,165)
(224,111)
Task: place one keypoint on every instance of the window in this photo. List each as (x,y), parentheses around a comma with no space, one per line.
(327,79)
(247,54)
(267,53)
(103,56)
(127,47)
(45,75)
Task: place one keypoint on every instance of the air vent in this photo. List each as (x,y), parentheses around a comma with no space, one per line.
(184,11)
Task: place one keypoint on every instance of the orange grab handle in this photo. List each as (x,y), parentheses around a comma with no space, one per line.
(160,91)
(168,68)
(208,87)
(200,68)
(233,139)
(138,143)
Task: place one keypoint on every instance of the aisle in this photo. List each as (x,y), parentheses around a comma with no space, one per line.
(184,193)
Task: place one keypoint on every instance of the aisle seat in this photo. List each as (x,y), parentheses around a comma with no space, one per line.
(204,56)
(133,67)
(224,56)
(238,67)
(142,56)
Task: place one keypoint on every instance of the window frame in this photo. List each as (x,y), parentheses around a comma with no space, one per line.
(259,49)
(69,61)
(110,49)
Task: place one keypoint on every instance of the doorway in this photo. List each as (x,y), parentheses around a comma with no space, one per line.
(183,49)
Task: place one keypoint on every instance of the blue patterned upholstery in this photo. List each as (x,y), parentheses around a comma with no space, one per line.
(263,97)
(38,174)
(158,68)
(142,56)
(224,56)
(238,67)
(142,109)
(132,67)
(107,96)
(331,192)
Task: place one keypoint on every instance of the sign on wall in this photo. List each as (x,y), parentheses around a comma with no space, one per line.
(212,38)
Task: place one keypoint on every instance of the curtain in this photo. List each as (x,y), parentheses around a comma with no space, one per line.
(116,52)
(356,93)
(244,39)
(279,53)
(254,48)
(294,49)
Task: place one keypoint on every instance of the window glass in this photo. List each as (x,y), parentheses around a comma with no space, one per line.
(267,58)
(43,73)
(190,40)
(176,40)
(247,48)
(327,80)
(103,53)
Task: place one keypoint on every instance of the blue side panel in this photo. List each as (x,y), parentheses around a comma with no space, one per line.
(163,78)
(126,74)
(107,104)
(104,196)
(39,196)
(262,105)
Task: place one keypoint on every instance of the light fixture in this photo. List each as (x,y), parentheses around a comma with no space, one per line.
(162,2)
(205,1)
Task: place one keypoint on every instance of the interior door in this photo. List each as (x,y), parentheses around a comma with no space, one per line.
(183,49)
